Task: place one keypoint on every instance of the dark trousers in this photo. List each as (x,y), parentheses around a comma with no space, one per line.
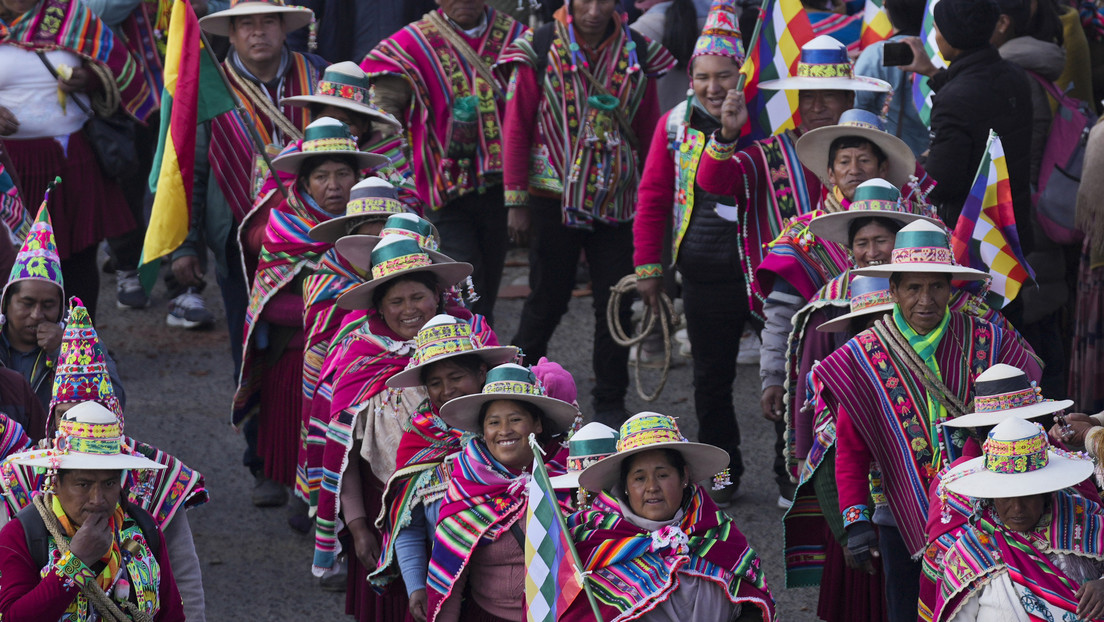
(127,248)
(82,279)
(553,257)
(235,299)
(715,315)
(902,576)
(473,229)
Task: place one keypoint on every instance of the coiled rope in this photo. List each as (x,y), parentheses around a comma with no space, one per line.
(627,285)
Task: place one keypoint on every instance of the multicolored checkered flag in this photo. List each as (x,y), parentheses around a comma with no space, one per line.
(553,577)
(782,29)
(985,237)
(875,26)
(921,92)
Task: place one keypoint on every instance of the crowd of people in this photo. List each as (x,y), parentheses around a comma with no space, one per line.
(359,205)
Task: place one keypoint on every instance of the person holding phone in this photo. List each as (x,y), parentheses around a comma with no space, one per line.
(883,60)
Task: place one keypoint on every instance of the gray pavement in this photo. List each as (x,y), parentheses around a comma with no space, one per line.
(255,567)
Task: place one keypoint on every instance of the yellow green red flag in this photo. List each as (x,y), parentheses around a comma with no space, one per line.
(194,92)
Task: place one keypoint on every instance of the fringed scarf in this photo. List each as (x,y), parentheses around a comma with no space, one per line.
(483,500)
(356,370)
(287,250)
(422,476)
(634,570)
(69,25)
(1075,526)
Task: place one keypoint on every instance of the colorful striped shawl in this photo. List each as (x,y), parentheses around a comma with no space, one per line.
(886,403)
(286,251)
(160,492)
(562,111)
(416,54)
(632,573)
(232,154)
(1076,527)
(140,38)
(777,189)
(69,25)
(803,261)
(356,370)
(483,500)
(422,476)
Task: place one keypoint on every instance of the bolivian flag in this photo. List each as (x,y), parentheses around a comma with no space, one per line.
(194,93)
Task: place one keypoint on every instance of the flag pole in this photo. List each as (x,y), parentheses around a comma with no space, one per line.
(754,41)
(244,117)
(542,474)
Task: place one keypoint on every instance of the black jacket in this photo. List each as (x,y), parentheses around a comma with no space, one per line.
(979,92)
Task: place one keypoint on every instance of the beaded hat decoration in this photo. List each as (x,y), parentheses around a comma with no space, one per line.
(721,35)
(873,198)
(442,338)
(824,65)
(648,431)
(89,436)
(814,146)
(371,199)
(1004,391)
(345,85)
(294,17)
(869,296)
(357,249)
(923,247)
(81,374)
(37,259)
(508,382)
(397,255)
(1018,462)
(327,136)
(590,444)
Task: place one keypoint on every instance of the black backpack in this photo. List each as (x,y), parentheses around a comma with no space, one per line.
(38,538)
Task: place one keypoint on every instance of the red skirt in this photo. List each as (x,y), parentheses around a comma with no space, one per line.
(279,417)
(362,601)
(848,595)
(85,207)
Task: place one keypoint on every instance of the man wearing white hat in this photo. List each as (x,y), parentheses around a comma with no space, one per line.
(890,387)
(80,551)
(261,71)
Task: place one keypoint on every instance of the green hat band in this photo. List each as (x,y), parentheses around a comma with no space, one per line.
(592,447)
(876,193)
(920,239)
(398,257)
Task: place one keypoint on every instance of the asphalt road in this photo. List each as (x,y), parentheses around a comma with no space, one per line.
(255,567)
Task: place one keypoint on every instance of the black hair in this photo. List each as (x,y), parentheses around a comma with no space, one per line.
(906,16)
(310,164)
(1046,24)
(854,142)
(853,229)
(472,363)
(680,31)
(13,290)
(545,435)
(317,108)
(425,278)
(895,277)
(674,458)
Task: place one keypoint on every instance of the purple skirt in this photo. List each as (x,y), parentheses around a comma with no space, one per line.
(362,601)
(279,416)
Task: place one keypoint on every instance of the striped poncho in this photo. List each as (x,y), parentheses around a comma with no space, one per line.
(881,413)
(985,549)
(439,75)
(634,570)
(69,25)
(483,501)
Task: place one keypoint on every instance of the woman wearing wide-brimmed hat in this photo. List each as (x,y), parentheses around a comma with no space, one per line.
(1034,549)
(365,418)
(269,395)
(655,545)
(80,551)
(449,362)
(479,538)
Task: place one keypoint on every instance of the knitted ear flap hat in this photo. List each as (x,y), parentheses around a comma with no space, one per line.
(38,259)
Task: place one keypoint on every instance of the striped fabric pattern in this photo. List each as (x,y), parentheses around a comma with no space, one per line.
(785,29)
(875,24)
(68,24)
(886,402)
(921,92)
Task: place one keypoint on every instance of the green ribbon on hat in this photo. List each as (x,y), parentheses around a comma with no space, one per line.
(921,239)
(876,192)
(395,250)
(592,447)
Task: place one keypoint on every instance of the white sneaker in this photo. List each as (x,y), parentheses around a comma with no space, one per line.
(784,503)
(749,349)
(189,311)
